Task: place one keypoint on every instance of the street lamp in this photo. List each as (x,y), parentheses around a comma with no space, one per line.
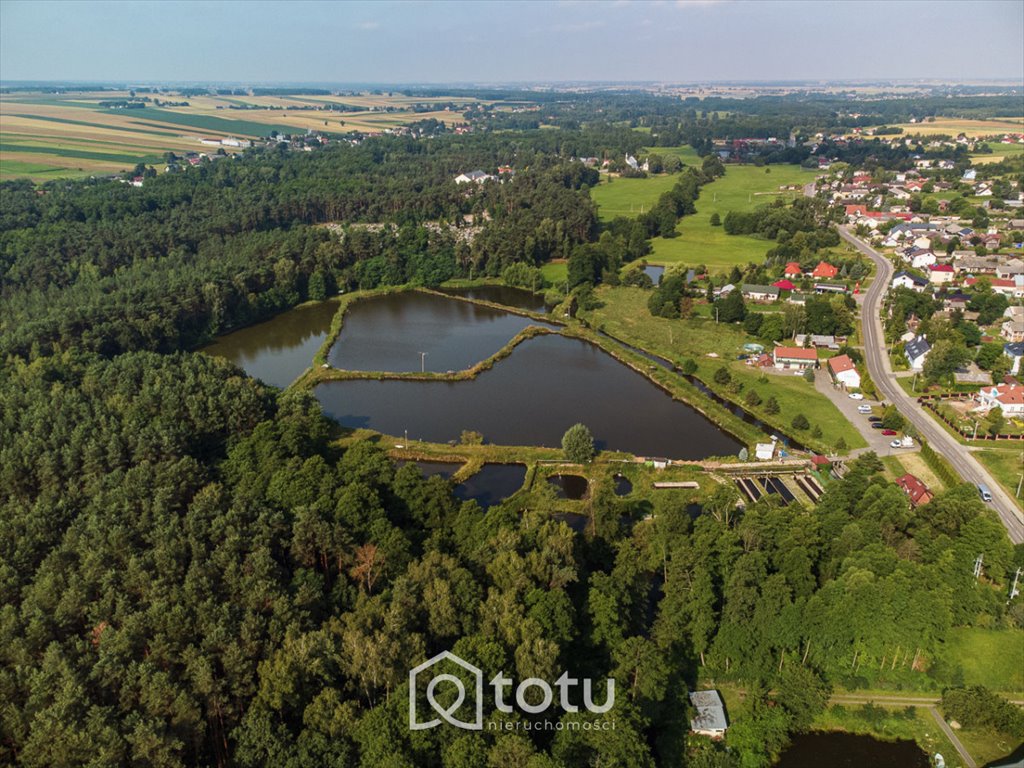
(423,362)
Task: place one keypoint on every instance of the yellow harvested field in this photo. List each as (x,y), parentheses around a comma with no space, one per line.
(970,128)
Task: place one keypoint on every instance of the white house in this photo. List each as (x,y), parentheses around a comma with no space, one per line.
(907,280)
(921,259)
(710,719)
(1008,397)
(798,358)
(479,177)
(940,274)
(844,372)
(916,351)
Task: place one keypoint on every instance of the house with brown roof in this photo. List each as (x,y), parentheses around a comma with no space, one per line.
(844,372)
(916,491)
(794,358)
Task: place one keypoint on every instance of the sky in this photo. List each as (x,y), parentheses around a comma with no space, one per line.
(509,42)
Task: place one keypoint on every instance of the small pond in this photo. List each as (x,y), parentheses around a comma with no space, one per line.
(848,750)
(623,487)
(654,273)
(570,486)
(492,484)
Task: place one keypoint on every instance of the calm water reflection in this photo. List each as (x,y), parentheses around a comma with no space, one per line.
(570,486)
(503,294)
(532,397)
(388,333)
(654,273)
(280,349)
(492,484)
(848,750)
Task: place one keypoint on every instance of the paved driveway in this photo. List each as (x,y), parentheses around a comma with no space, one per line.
(877,442)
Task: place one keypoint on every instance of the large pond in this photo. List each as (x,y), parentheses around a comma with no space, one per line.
(390,333)
(532,397)
(278,350)
(848,750)
(503,294)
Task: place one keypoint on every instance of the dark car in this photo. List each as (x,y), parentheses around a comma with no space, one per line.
(874,418)
(876,425)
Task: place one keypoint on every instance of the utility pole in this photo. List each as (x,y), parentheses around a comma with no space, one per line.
(423,362)
(1013,590)
(977,567)
(1019,484)
(975,436)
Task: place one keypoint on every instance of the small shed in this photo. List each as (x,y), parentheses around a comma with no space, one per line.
(710,719)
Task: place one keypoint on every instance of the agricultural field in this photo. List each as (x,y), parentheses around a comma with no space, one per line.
(743,188)
(45,136)
(1000,152)
(970,128)
(616,196)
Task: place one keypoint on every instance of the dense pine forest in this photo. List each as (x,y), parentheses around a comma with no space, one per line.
(192,571)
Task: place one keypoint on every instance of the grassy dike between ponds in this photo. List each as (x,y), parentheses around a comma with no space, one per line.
(670,382)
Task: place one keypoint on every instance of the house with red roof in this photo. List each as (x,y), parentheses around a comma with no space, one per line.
(844,372)
(793,270)
(784,285)
(825,271)
(794,358)
(940,274)
(916,491)
(1008,397)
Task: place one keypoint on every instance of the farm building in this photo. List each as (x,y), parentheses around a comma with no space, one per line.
(844,372)
(916,491)
(710,719)
(794,358)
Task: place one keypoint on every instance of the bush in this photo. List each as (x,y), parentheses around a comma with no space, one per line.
(722,376)
(800,422)
(578,444)
(688,367)
(809,375)
(772,406)
(716,220)
(752,399)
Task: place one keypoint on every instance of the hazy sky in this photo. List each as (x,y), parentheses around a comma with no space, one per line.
(401,42)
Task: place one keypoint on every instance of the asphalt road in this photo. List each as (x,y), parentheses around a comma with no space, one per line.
(881,373)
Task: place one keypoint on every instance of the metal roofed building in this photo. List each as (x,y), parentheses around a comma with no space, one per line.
(710,719)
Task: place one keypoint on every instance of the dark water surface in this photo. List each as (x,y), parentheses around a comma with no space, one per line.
(492,484)
(388,333)
(848,750)
(503,294)
(570,486)
(280,349)
(623,486)
(532,397)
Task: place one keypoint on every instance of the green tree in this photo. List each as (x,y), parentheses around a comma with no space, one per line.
(578,444)
(771,406)
(800,422)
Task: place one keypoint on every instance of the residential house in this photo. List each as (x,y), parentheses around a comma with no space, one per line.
(793,270)
(763,293)
(1009,269)
(916,351)
(1012,330)
(794,358)
(917,491)
(798,298)
(956,301)
(844,372)
(976,265)
(907,280)
(1015,352)
(784,285)
(940,274)
(824,271)
(1008,397)
(816,340)
(921,258)
(710,719)
(478,177)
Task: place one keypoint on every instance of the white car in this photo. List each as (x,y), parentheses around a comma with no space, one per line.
(856,396)
(896,444)
(863,409)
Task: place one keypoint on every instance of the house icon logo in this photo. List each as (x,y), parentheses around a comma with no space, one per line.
(446,713)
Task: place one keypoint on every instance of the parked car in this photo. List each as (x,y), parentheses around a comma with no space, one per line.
(863,409)
(856,396)
(874,418)
(888,432)
(876,425)
(895,444)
